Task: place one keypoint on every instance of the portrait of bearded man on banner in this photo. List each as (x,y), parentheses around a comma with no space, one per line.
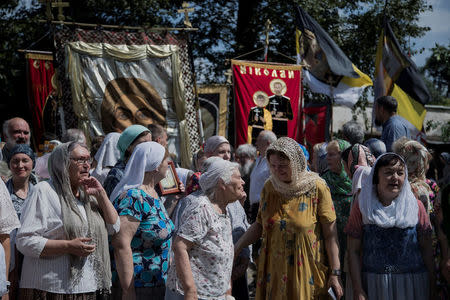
(129,101)
(279,107)
(259,118)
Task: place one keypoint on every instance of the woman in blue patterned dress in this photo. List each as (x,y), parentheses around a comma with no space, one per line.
(141,248)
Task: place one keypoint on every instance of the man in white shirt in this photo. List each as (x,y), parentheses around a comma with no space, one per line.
(260,172)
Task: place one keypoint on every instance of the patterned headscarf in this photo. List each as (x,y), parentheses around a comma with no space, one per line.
(359,155)
(416,157)
(303,181)
(22,148)
(74,224)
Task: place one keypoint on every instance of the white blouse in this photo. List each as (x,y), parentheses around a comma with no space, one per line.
(42,220)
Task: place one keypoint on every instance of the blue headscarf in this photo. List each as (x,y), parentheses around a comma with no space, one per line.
(306,153)
(22,148)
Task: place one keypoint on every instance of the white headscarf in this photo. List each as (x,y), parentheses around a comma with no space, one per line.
(184,174)
(146,157)
(217,168)
(361,173)
(403,211)
(106,156)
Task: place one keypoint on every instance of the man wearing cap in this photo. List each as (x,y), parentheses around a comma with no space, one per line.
(128,140)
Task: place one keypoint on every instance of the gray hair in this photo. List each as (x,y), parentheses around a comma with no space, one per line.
(74,135)
(216,168)
(353,132)
(247,150)
(5,128)
(376,146)
(268,136)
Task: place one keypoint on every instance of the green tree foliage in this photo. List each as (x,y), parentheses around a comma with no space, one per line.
(437,68)
(227,29)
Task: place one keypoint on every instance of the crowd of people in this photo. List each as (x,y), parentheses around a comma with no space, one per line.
(356,219)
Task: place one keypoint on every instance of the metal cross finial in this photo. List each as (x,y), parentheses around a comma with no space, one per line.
(186,10)
(229,74)
(59,4)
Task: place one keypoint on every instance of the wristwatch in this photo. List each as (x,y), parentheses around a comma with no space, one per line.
(336,272)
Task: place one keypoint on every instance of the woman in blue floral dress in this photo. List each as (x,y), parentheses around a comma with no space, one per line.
(141,248)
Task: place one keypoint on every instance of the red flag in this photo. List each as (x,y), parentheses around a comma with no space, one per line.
(40,73)
(266,98)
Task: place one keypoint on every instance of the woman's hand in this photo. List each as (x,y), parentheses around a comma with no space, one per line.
(79,247)
(92,187)
(359,295)
(335,283)
(191,294)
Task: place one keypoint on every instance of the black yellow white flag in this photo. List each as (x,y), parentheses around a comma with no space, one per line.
(396,75)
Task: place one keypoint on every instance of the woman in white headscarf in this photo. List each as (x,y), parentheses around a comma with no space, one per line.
(392,230)
(203,247)
(141,249)
(106,157)
(64,233)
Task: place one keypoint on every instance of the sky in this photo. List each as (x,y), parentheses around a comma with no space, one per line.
(439,22)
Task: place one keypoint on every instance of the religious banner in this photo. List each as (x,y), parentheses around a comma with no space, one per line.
(266,97)
(41,93)
(118,79)
(213,100)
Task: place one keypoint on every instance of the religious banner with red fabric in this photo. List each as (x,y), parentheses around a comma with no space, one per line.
(267,97)
(41,86)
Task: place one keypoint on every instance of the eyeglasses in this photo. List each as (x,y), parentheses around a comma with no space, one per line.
(82,161)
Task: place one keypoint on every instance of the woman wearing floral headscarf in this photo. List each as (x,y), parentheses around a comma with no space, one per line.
(340,187)
(64,233)
(297,222)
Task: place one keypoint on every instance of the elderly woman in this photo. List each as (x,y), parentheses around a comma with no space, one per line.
(106,157)
(392,230)
(141,249)
(297,222)
(203,247)
(417,159)
(340,187)
(64,233)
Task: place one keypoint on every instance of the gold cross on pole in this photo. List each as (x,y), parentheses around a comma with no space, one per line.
(186,10)
(229,74)
(59,4)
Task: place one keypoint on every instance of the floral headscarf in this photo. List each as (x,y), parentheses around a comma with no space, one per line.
(303,181)
(359,155)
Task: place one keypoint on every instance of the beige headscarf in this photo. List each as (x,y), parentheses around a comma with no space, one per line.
(74,224)
(303,181)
